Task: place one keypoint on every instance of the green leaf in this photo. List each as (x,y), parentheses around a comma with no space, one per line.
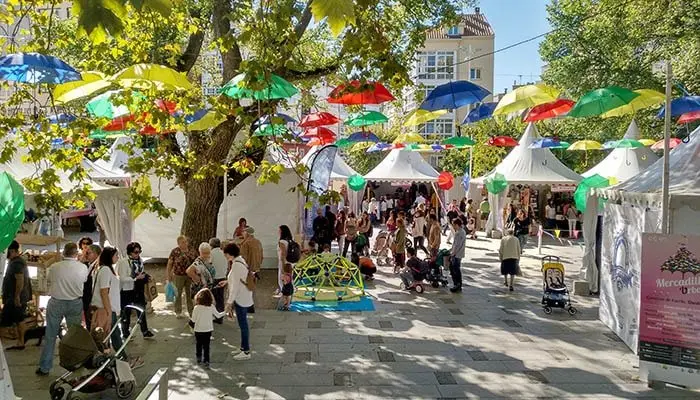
(338,13)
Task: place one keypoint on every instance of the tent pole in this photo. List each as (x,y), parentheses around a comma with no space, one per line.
(667,139)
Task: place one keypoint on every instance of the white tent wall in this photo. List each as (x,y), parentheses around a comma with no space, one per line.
(157,236)
(115,217)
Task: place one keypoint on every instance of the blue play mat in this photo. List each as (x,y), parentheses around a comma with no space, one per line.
(364,304)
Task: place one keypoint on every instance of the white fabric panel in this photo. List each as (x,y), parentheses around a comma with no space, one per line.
(115,218)
(685,221)
(158,236)
(403,166)
(495,219)
(101,174)
(6,389)
(589,269)
(341,169)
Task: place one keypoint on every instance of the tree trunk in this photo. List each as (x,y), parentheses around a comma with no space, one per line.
(203,199)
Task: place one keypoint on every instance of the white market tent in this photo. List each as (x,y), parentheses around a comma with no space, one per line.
(101,174)
(403,166)
(623,164)
(117,158)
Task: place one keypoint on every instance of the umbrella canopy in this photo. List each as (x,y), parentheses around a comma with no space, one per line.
(502,141)
(259,88)
(91,83)
(11,209)
(525,97)
(203,120)
(318,119)
(483,111)
(646,98)
(453,95)
(600,101)
(366,118)
(561,145)
(419,116)
(276,119)
(626,144)
(548,110)
(681,105)
(672,143)
(344,143)
(102,106)
(320,141)
(359,137)
(408,138)
(356,92)
(145,76)
(581,193)
(270,130)
(36,68)
(647,142)
(585,145)
(318,131)
(459,141)
(544,143)
(378,147)
(689,117)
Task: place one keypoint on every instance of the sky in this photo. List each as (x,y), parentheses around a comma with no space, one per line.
(513,21)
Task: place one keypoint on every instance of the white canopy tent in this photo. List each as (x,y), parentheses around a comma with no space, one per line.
(624,163)
(117,157)
(99,173)
(403,166)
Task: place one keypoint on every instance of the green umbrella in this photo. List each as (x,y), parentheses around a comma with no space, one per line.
(99,134)
(366,118)
(496,184)
(344,143)
(11,209)
(259,88)
(627,144)
(600,101)
(561,145)
(270,130)
(459,141)
(103,106)
(593,181)
(356,183)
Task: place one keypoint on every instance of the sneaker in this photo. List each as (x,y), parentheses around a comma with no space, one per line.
(40,372)
(199,361)
(206,365)
(149,335)
(136,363)
(456,289)
(236,352)
(242,356)
(510,288)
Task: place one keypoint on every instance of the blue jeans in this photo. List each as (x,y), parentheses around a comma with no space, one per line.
(242,317)
(456,271)
(56,310)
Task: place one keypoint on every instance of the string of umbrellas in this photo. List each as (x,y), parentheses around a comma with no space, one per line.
(108,96)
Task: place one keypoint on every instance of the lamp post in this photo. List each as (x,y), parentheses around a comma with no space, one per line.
(665,220)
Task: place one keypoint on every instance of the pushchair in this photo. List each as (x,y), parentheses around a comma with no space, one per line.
(381,248)
(436,271)
(78,349)
(555,295)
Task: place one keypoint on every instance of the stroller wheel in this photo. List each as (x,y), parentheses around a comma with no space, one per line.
(125,389)
(402,286)
(56,390)
(572,310)
(419,288)
(435,284)
(547,310)
(75,396)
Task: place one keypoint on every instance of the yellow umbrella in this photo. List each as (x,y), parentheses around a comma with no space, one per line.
(144,76)
(408,138)
(647,142)
(420,116)
(646,98)
(91,83)
(210,120)
(585,145)
(525,97)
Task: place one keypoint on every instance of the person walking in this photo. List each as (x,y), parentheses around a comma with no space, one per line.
(92,255)
(522,228)
(419,232)
(340,230)
(202,315)
(572,218)
(350,234)
(133,280)
(456,255)
(509,254)
(220,264)
(66,279)
(181,257)
(16,293)
(282,246)
(240,298)
(399,246)
(251,250)
(434,236)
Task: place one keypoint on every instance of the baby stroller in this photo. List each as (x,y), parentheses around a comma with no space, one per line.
(555,295)
(78,349)
(436,271)
(381,248)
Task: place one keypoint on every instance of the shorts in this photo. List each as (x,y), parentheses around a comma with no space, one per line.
(288,289)
(12,315)
(400,259)
(484,216)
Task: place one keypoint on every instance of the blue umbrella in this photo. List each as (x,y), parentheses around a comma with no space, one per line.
(544,143)
(359,137)
(483,111)
(36,68)
(378,147)
(610,144)
(681,105)
(61,118)
(453,95)
(199,114)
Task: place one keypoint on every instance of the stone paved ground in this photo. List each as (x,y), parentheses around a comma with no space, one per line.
(484,343)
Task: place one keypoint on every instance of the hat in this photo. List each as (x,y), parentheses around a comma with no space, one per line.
(249,230)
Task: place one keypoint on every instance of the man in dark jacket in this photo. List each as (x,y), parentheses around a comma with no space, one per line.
(321,229)
(330,217)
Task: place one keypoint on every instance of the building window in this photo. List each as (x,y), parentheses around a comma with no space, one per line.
(436,65)
(422,91)
(437,127)
(435,161)
(475,73)
(453,31)
(210,91)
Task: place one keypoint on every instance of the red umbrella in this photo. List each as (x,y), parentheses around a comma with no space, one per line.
(549,110)
(445,180)
(502,141)
(167,105)
(320,140)
(318,119)
(689,117)
(356,92)
(118,124)
(318,131)
(660,144)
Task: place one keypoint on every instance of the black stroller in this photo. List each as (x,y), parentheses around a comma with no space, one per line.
(555,295)
(436,272)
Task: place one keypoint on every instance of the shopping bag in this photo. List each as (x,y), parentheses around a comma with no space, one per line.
(170,292)
(150,290)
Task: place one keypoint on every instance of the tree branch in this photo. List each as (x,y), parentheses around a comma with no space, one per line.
(292,74)
(304,21)
(194,46)
(232,57)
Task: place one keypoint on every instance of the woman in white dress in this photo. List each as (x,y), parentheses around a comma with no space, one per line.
(285,238)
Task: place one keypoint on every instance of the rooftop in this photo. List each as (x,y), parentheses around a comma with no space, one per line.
(474,24)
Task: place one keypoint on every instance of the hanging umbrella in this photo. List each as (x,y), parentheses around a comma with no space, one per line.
(689,117)
(344,143)
(145,76)
(412,146)
(647,142)
(453,95)
(318,131)
(626,144)
(459,141)
(672,144)
(681,105)
(150,130)
(609,144)
(318,119)
(102,106)
(260,88)
(483,111)
(61,118)
(496,183)
(36,68)
(525,97)
(270,130)
(561,145)
(99,134)
(378,147)
(320,141)
(581,193)
(437,147)
(544,143)
(366,118)
(91,83)
(356,92)
(360,137)
(646,98)
(408,138)
(419,116)
(11,209)
(396,146)
(600,101)
(203,120)
(585,145)
(276,119)
(552,109)
(356,183)
(445,180)
(502,141)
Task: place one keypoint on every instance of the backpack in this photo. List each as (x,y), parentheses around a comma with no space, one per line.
(250,281)
(293,252)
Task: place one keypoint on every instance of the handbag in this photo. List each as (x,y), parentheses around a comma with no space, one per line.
(150,290)
(170,292)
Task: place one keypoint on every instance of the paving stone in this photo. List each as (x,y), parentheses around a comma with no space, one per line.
(386,324)
(626,376)
(456,311)
(522,337)
(373,339)
(512,323)
(302,356)
(342,379)
(386,356)
(557,355)
(278,339)
(448,301)
(456,324)
(445,378)
(257,325)
(477,355)
(314,325)
(536,376)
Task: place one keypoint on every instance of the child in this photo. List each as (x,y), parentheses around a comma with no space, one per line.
(287,287)
(471,227)
(202,319)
